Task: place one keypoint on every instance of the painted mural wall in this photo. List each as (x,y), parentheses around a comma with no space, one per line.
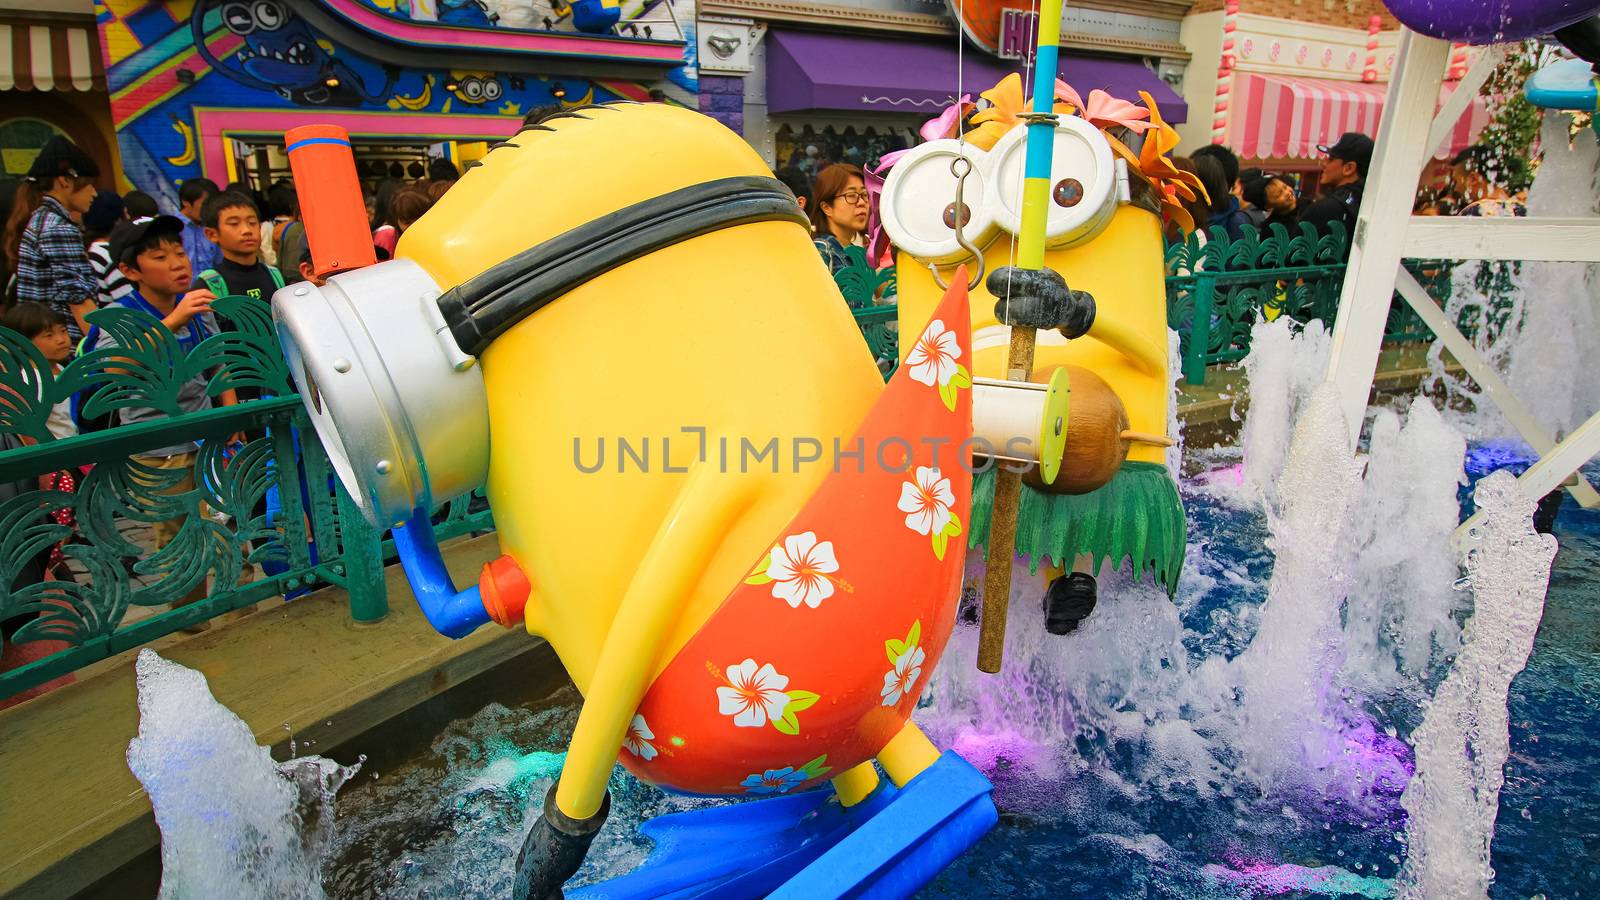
(188,77)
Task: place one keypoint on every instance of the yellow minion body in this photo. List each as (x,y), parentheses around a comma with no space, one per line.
(729,338)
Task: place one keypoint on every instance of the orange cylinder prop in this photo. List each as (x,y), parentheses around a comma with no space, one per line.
(330,198)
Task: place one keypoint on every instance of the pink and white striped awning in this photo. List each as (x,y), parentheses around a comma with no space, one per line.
(1278,116)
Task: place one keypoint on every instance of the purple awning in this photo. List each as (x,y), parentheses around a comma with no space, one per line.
(816,71)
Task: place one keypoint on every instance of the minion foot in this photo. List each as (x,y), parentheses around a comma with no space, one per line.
(1068,601)
(554,850)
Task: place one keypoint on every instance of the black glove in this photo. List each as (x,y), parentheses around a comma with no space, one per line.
(1040,298)
(554,850)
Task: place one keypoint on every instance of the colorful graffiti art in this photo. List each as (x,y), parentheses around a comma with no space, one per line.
(189,78)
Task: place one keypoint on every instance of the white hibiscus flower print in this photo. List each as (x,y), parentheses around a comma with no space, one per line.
(932,360)
(753,694)
(799,570)
(638,739)
(927,501)
(897,682)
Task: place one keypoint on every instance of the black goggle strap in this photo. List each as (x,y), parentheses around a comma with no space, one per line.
(484,307)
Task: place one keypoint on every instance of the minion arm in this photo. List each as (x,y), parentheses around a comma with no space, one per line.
(705,510)
(452,613)
(1143,352)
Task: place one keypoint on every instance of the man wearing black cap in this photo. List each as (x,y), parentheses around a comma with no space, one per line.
(1344,176)
(52,265)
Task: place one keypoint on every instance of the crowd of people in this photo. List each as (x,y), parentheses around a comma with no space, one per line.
(70,248)
(1254,198)
(1463,185)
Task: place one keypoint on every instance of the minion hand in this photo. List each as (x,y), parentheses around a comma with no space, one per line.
(1040,298)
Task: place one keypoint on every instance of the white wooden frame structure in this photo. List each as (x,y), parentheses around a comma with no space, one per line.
(1386,233)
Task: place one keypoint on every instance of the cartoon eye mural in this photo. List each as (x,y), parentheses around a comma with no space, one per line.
(475,87)
(238,18)
(269,16)
(918,203)
(1083,183)
(282,54)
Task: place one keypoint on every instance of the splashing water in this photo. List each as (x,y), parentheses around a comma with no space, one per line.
(1400,614)
(1549,360)
(418,833)
(233,822)
(1464,739)
(1285,678)
(1285,363)
(1551,333)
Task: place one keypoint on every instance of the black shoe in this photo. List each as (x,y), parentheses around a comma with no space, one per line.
(554,850)
(1068,601)
(1583,39)
(1544,515)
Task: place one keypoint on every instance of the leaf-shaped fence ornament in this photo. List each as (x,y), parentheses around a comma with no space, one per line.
(248,356)
(28,388)
(863,289)
(26,530)
(1218,291)
(859,282)
(213,508)
(145,369)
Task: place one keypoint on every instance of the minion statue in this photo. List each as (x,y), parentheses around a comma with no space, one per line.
(753,602)
(1103,340)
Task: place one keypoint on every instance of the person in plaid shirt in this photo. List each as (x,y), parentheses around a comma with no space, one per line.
(47,252)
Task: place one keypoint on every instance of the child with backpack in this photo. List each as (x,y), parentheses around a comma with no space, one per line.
(234,224)
(151,256)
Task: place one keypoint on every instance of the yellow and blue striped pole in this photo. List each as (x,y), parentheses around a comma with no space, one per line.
(1041,140)
(1019,364)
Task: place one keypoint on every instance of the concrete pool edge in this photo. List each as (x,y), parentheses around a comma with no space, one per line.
(301,671)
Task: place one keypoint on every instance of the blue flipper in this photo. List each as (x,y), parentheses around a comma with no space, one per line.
(808,846)
(1568,84)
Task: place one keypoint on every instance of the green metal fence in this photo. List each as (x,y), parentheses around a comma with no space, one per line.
(865,289)
(1217,291)
(225,551)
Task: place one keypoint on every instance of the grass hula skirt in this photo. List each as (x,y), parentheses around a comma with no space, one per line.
(1135,517)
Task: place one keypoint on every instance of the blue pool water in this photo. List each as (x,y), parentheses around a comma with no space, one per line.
(1099,839)
(1105,811)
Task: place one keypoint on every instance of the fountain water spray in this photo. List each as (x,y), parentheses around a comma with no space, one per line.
(1464,739)
(1400,613)
(1550,357)
(233,822)
(1551,310)
(1285,676)
(1284,365)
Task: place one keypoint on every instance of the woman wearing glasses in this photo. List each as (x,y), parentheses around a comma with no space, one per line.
(838,209)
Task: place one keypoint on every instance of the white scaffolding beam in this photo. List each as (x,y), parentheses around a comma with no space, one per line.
(1387,233)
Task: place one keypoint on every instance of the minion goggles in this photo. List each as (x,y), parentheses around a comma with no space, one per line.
(379,349)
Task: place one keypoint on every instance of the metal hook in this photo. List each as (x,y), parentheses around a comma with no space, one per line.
(961,237)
